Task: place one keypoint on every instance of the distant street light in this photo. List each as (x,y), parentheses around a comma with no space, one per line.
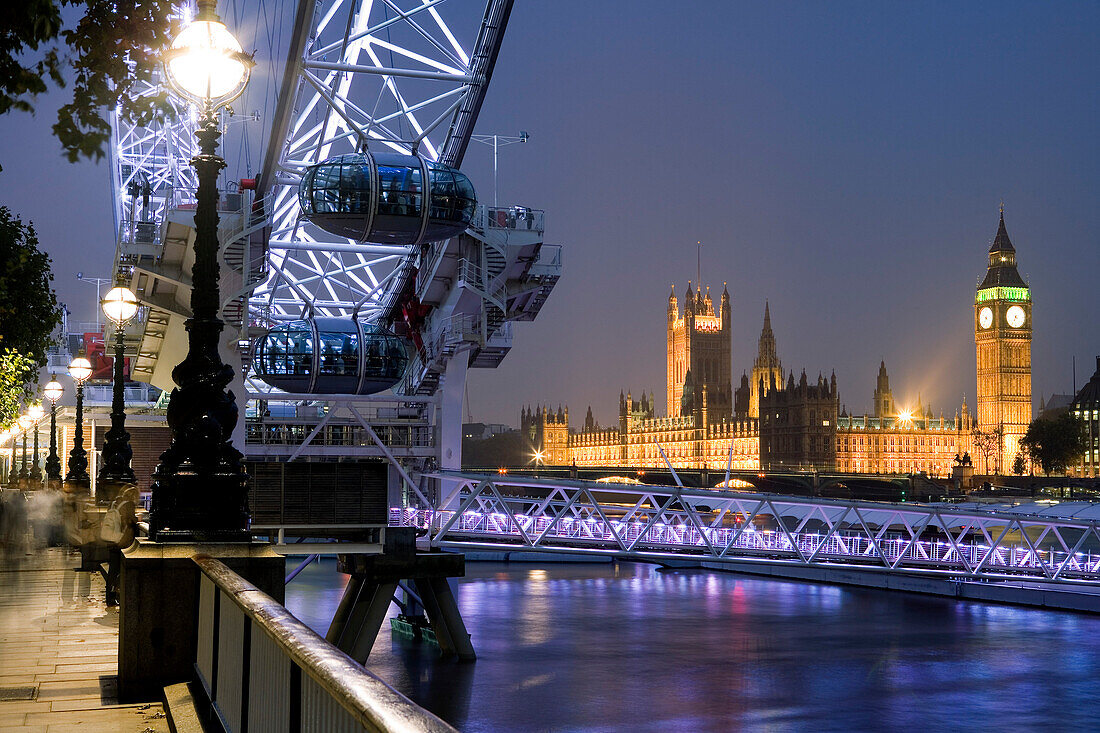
(13,471)
(119,305)
(4,436)
(498,141)
(53,392)
(200,489)
(35,412)
(25,422)
(79,369)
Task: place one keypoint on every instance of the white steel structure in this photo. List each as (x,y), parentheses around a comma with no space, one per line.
(366,73)
(1053,544)
(341,76)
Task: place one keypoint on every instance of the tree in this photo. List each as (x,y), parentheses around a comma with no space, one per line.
(1019,464)
(1056,443)
(112,53)
(28,306)
(989,442)
(15,389)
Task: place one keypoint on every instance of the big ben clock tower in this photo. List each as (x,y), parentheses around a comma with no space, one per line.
(1002,334)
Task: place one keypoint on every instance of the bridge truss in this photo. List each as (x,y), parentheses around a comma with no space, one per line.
(662,524)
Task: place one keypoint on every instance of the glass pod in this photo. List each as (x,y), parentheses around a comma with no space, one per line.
(330,356)
(382,198)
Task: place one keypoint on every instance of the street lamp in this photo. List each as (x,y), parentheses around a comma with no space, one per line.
(53,392)
(4,437)
(119,306)
(25,422)
(200,489)
(79,369)
(13,470)
(35,412)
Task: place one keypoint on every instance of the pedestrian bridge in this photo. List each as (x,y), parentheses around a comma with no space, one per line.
(1053,543)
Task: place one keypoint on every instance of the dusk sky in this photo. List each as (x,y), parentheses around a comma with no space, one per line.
(844,161)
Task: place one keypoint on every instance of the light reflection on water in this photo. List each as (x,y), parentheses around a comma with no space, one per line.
(628,647)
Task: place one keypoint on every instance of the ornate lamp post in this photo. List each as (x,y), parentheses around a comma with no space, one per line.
(35,412)
(53,392)
(25,422)
(120,305)
(13,472)
(79,369)
(200,489)
(4,437)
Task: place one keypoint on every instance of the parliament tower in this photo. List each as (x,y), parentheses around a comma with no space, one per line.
(767,370)
(1002,335)
(699,369)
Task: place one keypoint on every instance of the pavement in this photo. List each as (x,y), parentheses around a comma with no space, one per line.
(59,650)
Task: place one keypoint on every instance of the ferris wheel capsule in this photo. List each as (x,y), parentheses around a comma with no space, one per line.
(330,356)
(383,198)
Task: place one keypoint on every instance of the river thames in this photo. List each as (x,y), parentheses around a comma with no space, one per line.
(610,647)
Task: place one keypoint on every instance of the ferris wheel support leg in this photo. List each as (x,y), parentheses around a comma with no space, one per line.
(450,417)
(450,414)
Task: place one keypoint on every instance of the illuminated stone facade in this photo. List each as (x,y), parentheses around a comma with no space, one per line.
(1002,337)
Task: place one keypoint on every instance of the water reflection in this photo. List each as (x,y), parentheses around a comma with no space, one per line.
(624,647)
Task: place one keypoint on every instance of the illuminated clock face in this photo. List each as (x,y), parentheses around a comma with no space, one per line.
(985,317)
(1015,316)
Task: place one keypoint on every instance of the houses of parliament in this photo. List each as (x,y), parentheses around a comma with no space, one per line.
(776,421)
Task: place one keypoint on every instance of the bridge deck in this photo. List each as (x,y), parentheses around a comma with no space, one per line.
(58,638)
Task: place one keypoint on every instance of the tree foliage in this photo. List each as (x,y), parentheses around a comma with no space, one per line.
(15,389)
(111,54)
(1057,443)
(1019,463)
(28,306)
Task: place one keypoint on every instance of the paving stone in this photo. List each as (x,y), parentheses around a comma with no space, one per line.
(24,706)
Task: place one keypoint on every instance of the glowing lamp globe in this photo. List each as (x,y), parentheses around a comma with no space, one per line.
(36,411)
(80,369)
(25,421)
(53,391)
(205,62)
(120,305)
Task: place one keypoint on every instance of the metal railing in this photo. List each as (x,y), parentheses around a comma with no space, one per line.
(548,263)
(510,217)
(720,526)
(132,393)
(283,432)
(264,670)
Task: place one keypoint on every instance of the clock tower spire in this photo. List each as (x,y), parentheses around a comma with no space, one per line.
(1002,337)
